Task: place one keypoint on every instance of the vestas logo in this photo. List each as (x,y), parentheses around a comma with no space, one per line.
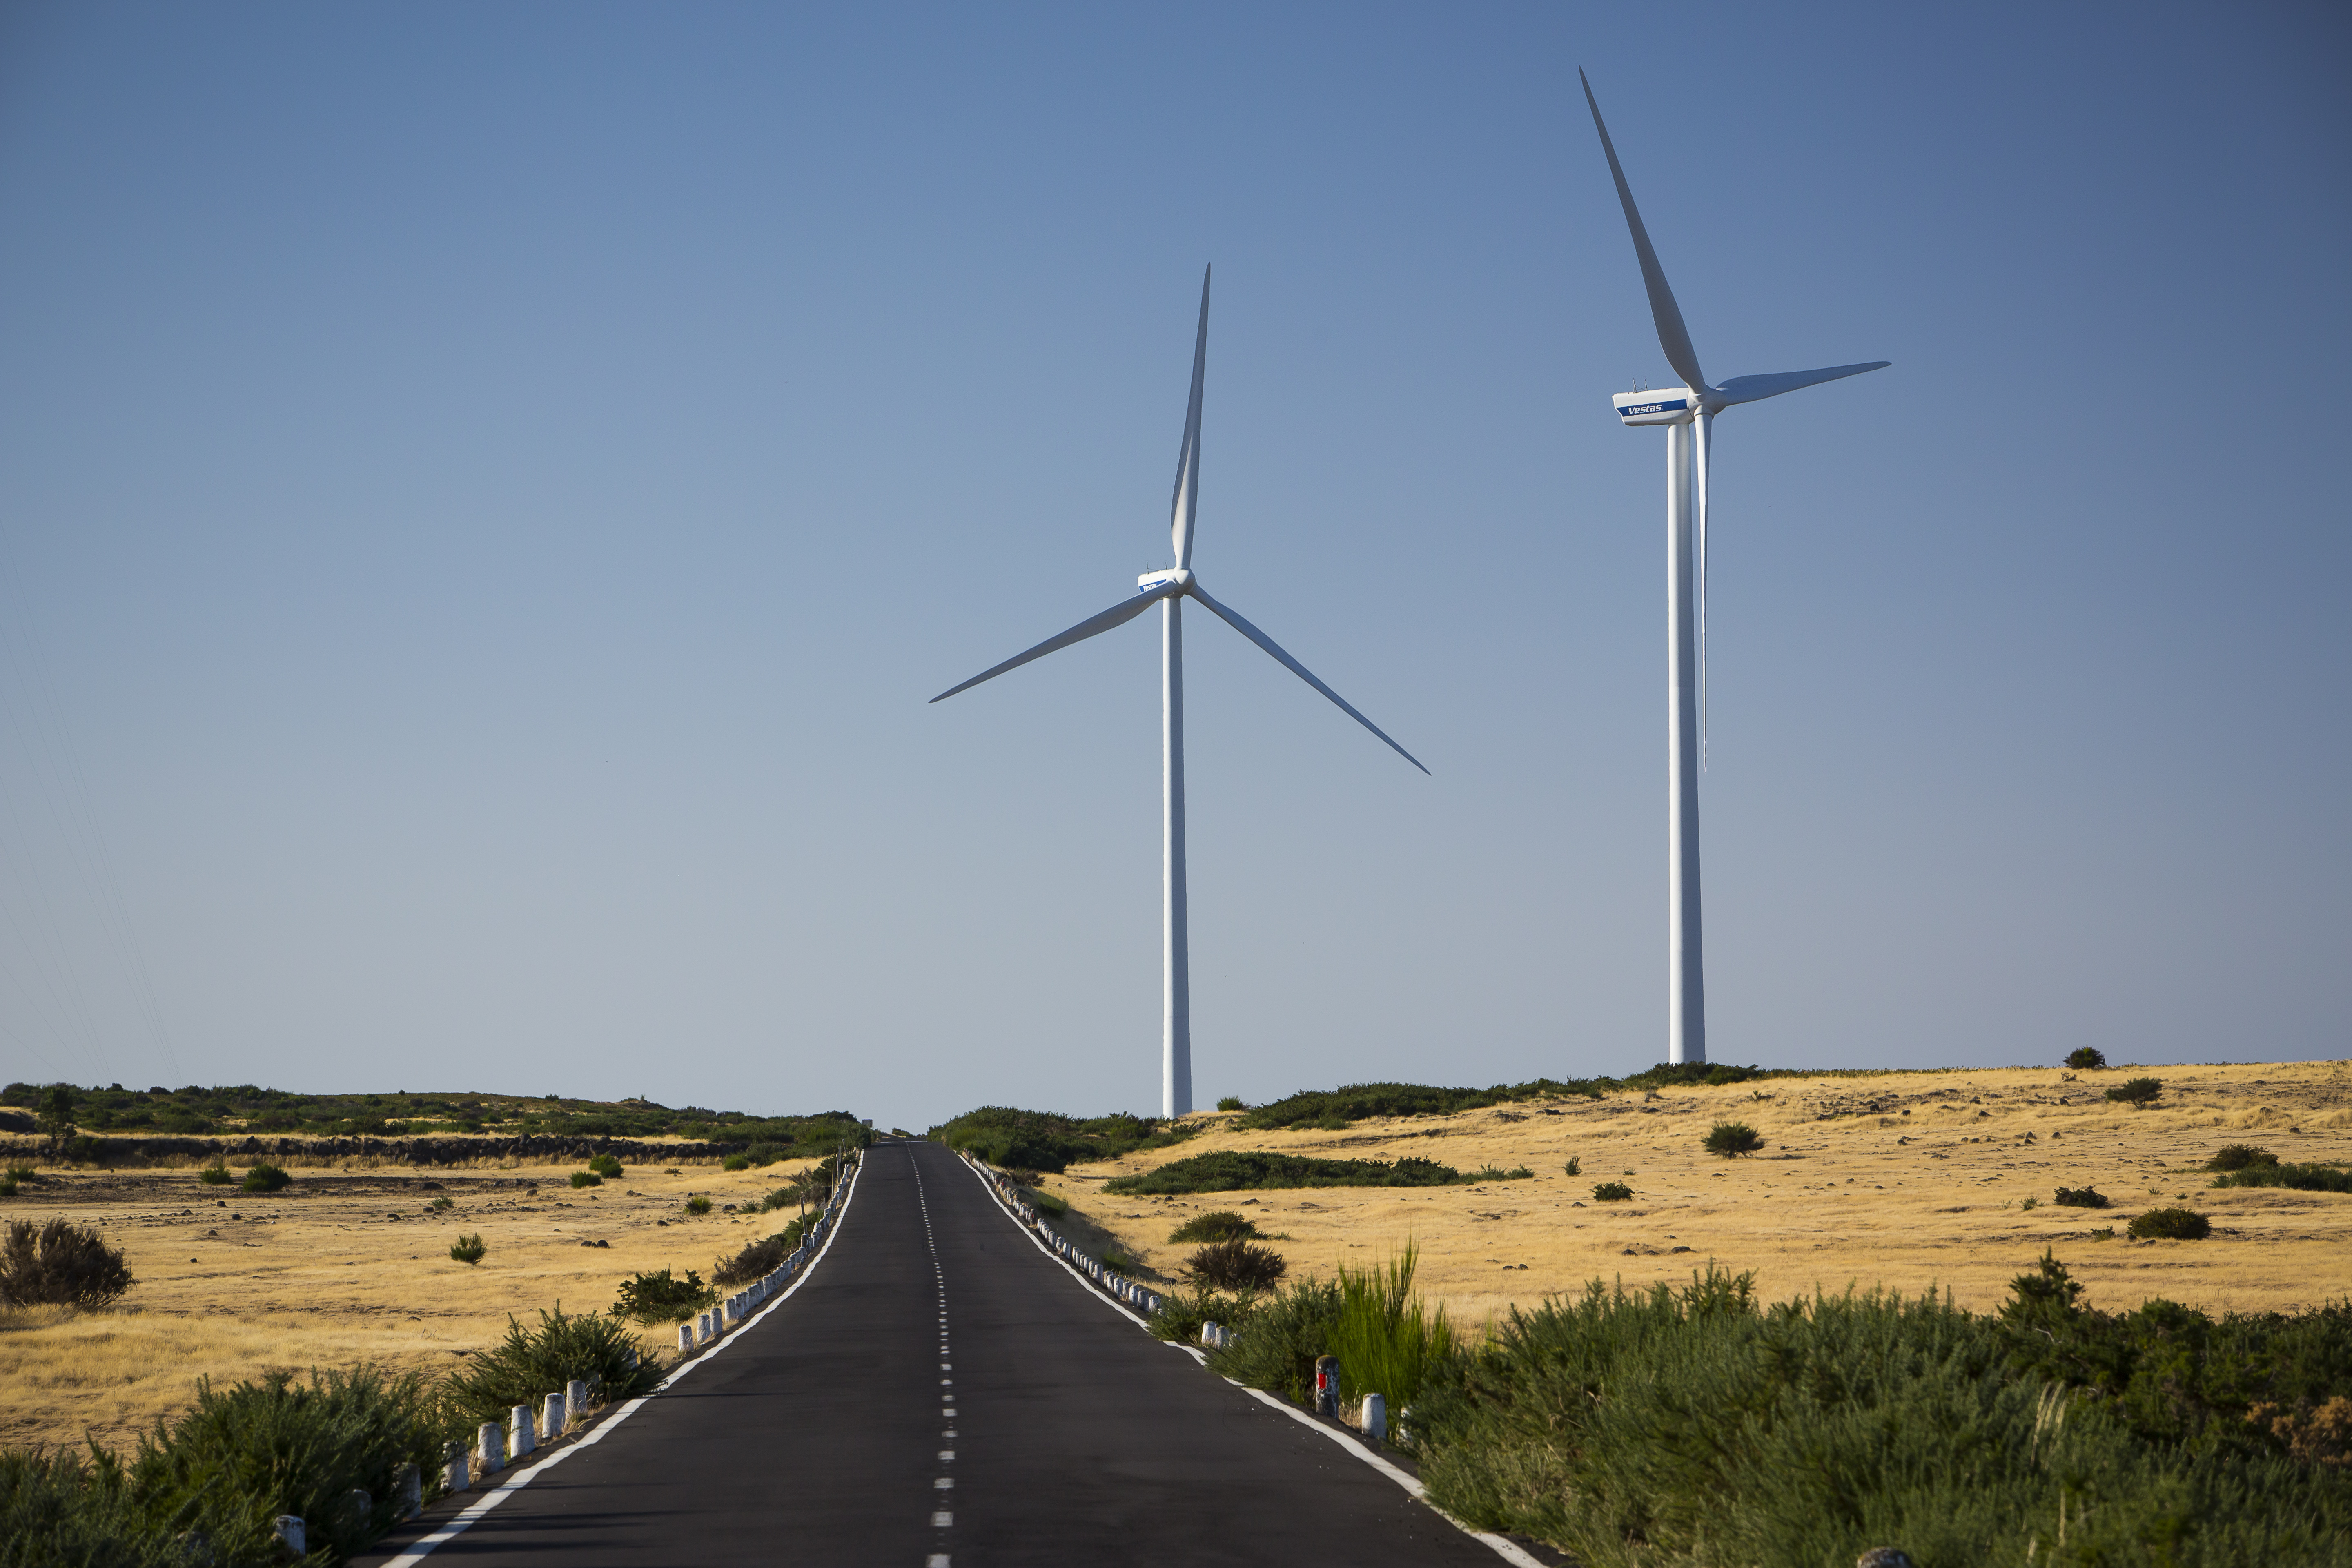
(1679,403)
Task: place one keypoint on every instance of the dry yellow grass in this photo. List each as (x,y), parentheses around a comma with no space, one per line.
(346,1266)
(1906,1180)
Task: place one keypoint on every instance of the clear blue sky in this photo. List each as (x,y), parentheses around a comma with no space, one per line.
(484,494)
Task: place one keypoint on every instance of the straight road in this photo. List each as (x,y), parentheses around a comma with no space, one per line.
(943,1395)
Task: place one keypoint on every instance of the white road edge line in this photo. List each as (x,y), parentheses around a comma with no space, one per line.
(1507,1550)
(424,1546)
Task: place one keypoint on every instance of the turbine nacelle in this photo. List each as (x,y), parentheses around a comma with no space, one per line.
(1660,406)
(1175,580)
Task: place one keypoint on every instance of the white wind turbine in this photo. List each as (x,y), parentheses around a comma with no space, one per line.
(1168,590)
(1688,412)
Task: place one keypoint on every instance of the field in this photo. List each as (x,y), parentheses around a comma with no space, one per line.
(1909,1180)
(347,1265)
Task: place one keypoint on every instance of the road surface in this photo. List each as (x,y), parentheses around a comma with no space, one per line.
(941,1393)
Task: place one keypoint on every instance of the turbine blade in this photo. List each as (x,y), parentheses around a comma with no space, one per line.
(1118,615)
(1673,336)
(1234,620)
(1748,388)
(1187,460)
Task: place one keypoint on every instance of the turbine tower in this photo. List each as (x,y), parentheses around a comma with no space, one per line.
(1169,590)
(1689,414)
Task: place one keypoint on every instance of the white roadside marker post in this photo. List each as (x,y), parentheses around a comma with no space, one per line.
(1327,1387)
(291,1533)
(456,1476)
(1376,1417)
(521,1439)
(491,1445)
(576,1400)
(553,1416)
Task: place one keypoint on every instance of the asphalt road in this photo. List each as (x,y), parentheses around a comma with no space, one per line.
(941,1392)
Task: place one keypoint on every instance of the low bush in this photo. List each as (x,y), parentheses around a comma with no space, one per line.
(2079,1198)
(264,1178)
(2303,1178)
(1386,1342)
(60,1264)
(1731,1139)
(1182,1312)
(214,1175)
(587,1179)
(1336,1108)
(2237,1156)
(1217,1225)
(698,1205)
(657,1298)
(2137,1092)
(8,1184)
(1496,1173)
(1238,1169)
(1009,1138)
(1575,1166)
(1275,1346)
(606,1166)
(1697,1425)
(1231,1102)
(1611,1193)
(1236,1266)
(736,1162)
(2085,1059)
(2170,1224)
(762,1256)
(1045,1203)
(442,1203)
(57,1508)
(468,1250)
(529,1361)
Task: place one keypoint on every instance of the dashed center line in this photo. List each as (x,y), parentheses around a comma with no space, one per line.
(941,1519)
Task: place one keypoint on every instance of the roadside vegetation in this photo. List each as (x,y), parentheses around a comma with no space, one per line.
(1242,1170)
(1044,1141)
(1702,1424)
(202,1491)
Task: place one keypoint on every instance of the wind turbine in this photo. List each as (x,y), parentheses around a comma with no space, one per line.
(1169,590)
(1688,412)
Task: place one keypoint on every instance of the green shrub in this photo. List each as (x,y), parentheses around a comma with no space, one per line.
(1217,1225)
(2085,1059)
(60,1264)
(441,1203)
(214,1175)
(8,1185)
(1696,1425)
(2170,1224)
(2237,1156)
(241,1457)
(1611,1193)
(530,1361)
(1182,1312)
(1730,1138)
(587,1179)
(2081,1198)
(57,1508)
(1045,1203)
(736,1162)
(1575,1166)
(1231,1102)
(1119,1262)
(2030,1204)
(1334,1108)
(264,1178)
(468,1250)
(1236,1170)
(657,1298)
(762,1256)
(1011,1138)
(1236,1266)
(2137,1092)
(1275,1346)
(698,1205)
(2303,1178)
(1496,1173)
(1387,1343)
(606,1166)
